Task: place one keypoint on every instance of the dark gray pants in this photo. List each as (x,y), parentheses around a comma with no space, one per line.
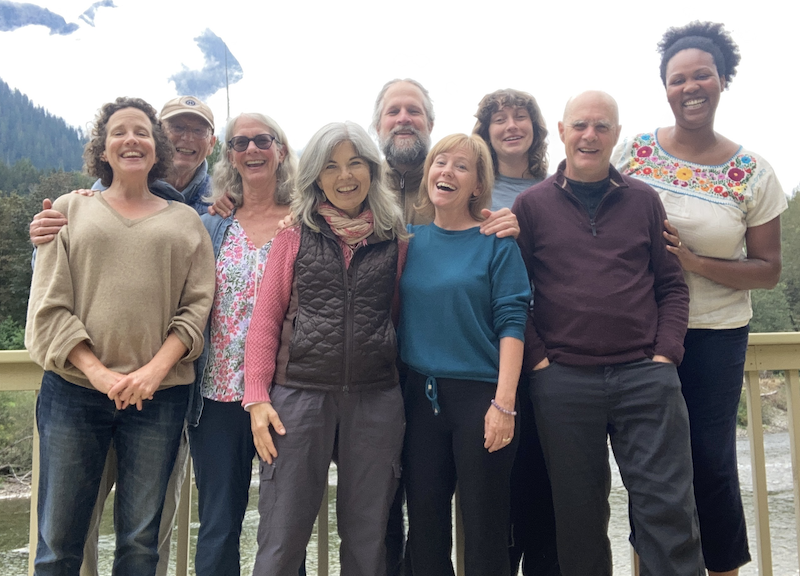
(365,429)
(640,407)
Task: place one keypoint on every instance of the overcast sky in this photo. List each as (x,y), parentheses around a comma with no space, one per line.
(306,63)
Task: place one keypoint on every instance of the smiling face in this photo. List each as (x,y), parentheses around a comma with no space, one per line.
(693,88)
(193,139)
(589,131)
(511,133)
(452,181)
(257,167)
(129,146)
(345,179)
(404,130)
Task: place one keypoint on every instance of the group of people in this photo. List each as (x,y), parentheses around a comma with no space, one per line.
(399,327)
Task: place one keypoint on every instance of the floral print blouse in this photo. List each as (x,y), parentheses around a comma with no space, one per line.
(240,265)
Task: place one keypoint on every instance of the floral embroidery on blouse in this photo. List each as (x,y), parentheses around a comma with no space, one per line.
(240,265)
(725,184)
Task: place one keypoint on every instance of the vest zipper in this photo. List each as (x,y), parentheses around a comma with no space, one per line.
(348,324)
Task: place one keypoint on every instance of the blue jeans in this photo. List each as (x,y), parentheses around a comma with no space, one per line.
(77,425)
(222,452)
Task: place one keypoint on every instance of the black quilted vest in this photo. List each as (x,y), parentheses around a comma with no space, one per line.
(343,337)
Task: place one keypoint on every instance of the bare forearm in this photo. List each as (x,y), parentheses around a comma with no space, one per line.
(171,351)
(511,350)
(748,274)
(761,268)
(85,360)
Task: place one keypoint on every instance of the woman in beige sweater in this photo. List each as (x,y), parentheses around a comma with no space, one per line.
(116,315)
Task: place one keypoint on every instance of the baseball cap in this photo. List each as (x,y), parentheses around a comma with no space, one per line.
(187,105)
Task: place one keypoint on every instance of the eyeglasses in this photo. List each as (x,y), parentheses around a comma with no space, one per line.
(180,130)
(262,141)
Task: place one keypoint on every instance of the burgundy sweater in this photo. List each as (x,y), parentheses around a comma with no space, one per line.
(606,290)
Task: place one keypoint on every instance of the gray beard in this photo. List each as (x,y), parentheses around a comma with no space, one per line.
(409,155)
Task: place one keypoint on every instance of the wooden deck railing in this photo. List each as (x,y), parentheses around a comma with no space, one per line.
(776,351)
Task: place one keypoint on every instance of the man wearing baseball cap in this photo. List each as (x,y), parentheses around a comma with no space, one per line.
(189,124)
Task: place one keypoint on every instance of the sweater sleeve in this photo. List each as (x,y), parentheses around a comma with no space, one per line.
(52,329)
(197,296)
(511,291)
(671,292)
(535,350)
(263,336)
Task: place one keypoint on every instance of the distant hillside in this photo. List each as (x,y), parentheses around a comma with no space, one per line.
(28,131)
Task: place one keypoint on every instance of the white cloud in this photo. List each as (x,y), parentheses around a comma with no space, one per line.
(309,63)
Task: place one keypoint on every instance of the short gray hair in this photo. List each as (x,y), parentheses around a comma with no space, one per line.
(226,177)
(427,103)
(380,199)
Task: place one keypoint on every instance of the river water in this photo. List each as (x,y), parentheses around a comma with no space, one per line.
(14,521)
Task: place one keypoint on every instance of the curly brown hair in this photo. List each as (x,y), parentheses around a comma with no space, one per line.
(709,37)
(95,166)
(491,103)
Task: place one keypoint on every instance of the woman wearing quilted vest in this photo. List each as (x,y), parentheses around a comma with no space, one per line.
(464,306)
(719,198)
(320,358)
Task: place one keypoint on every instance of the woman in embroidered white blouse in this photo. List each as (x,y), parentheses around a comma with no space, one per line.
(719,198)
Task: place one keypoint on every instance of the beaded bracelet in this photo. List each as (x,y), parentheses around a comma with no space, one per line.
(503,410)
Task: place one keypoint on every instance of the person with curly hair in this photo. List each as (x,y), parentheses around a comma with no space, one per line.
(116,315)
(723,205)
(512,125)
(189,124)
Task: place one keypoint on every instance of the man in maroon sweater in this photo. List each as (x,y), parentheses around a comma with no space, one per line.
(610,310)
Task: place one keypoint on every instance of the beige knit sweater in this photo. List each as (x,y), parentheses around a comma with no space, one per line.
(122,286)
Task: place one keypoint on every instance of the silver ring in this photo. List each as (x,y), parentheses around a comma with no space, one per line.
(680,243)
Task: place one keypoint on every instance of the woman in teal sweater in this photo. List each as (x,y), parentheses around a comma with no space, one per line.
(463,312)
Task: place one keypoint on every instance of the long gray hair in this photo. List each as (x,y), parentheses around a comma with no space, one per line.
(380,199)
(226,177)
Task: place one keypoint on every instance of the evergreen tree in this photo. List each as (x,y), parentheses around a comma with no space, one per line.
(29,131)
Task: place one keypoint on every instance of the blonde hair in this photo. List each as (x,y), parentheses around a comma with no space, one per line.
(475,145)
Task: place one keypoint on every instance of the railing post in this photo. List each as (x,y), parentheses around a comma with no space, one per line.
(184,521)
(755,431)
(793,416)
(459,530)
(33,529)
(322,535)
(634,562)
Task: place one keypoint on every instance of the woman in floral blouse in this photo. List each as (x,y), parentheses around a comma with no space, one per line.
(719,197)
(257,173)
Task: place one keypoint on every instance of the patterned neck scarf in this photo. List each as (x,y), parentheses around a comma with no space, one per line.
(351,232)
